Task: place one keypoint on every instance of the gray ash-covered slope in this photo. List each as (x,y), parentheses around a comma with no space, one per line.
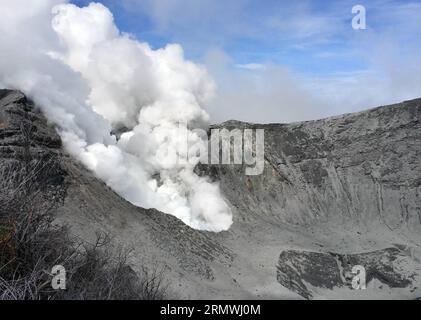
(334,193)
(347,184)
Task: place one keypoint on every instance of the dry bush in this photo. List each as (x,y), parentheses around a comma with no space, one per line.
(102,271)
(30,245)
(153,285)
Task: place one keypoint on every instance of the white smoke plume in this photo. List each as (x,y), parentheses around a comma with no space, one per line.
(90,79)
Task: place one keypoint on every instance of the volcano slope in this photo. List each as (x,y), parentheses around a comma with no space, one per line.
(335,193)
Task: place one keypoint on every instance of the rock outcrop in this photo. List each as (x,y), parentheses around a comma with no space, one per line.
(301,271)
(334,193)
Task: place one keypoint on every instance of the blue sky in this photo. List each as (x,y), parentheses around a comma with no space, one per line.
(312,42)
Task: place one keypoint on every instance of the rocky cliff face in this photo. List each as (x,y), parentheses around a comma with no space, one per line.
(334,193)
(359,168)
